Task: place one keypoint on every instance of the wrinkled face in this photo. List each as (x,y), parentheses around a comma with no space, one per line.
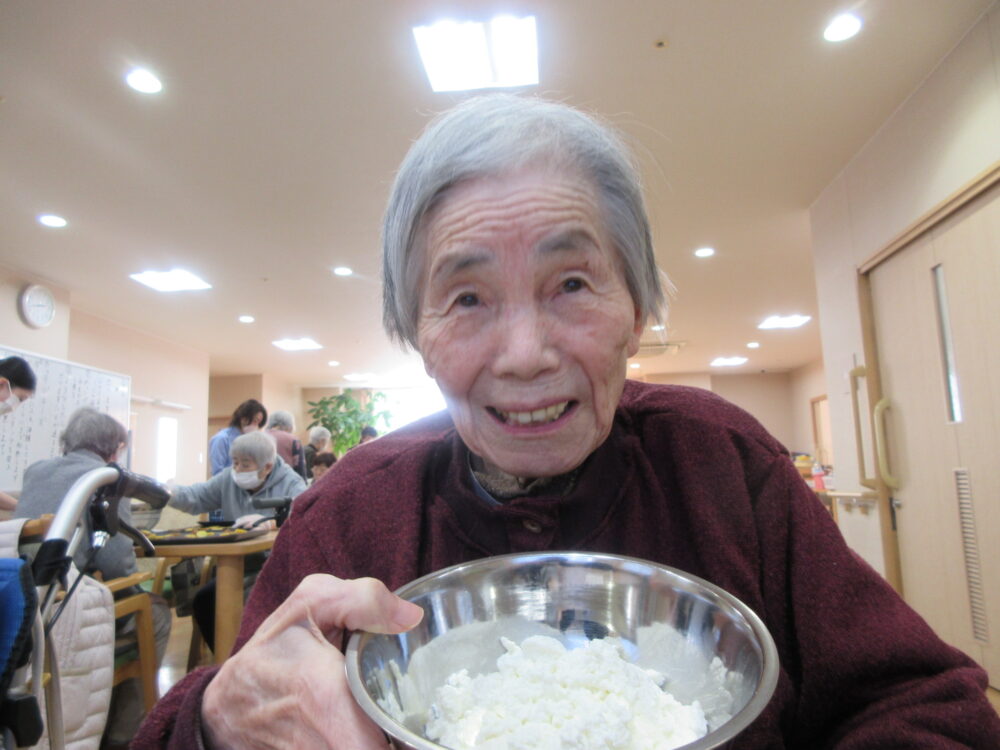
(525,319)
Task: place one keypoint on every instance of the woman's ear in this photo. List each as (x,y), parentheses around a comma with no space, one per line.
(638,324)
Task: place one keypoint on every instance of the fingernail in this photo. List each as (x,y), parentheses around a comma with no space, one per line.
(408,616)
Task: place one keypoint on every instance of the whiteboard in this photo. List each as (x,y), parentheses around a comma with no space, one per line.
(32,432)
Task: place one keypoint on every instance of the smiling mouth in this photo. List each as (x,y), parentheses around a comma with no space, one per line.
(535,417)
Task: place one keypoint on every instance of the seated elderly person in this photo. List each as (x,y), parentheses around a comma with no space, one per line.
(517,261)
(322,464)
(257,472)
(92,440)
(319,441)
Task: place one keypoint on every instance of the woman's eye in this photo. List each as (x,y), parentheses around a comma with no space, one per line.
(467,300)
(572,285)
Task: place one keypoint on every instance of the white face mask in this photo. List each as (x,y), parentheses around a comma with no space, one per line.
(10,403)
(246,480)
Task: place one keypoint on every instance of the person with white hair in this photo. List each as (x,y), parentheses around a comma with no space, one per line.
(281,427)
(257,471)
(518,262)
(319,440)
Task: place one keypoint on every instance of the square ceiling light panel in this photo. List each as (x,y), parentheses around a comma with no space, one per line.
(467,55)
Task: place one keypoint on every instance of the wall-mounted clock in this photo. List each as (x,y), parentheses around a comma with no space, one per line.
(37,305)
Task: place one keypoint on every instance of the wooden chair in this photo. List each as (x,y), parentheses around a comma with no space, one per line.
(138,658)
(196,647)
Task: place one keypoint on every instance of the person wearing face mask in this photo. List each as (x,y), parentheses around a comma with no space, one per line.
(249,416)
(257,471)
(17,383)
(92,440)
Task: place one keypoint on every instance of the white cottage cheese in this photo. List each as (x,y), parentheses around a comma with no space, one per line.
(544,697)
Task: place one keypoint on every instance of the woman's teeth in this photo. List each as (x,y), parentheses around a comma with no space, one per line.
(538,416)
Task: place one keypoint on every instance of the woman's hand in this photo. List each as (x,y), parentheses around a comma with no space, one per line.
(253,519)
(287,687)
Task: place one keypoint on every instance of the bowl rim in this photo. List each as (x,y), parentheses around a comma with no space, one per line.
(740,721)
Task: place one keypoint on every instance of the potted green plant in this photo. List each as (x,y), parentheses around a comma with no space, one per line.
(345,416)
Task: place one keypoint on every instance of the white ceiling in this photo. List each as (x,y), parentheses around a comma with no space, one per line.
(267,158)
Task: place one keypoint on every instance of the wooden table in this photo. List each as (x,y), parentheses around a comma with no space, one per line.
(229,558)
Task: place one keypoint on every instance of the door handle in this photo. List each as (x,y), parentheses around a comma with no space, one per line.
(855,375)
(878,417)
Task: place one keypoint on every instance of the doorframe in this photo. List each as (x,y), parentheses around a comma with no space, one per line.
(873,381)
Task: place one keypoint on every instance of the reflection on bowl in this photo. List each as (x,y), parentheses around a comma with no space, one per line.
(667,620)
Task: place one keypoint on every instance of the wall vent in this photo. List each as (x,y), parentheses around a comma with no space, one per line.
(970,546)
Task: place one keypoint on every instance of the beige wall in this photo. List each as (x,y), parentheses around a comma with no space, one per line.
(51,341)
(768,396)
(806,383)
(166,378)
(226,392)
(946,134)
(694,379)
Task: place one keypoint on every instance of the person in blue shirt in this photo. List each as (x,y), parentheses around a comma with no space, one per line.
(249,416)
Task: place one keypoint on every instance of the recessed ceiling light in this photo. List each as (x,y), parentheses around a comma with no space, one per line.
(753,345)
(728,361)
(333,363)
(657,327)
(51,220)
(174,280)
(296,345)
(343,271)
(784,321)
(634,365)
(705,252)
(842,27)
(144,81)
(247,319)
(470,55)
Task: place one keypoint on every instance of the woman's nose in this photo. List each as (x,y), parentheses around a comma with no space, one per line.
(524,345)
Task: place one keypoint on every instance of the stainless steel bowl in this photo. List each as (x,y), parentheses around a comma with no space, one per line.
(667,620)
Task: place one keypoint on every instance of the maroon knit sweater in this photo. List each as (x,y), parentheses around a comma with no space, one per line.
(685,479)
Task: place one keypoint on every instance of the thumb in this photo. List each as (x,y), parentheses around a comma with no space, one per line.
(333,604)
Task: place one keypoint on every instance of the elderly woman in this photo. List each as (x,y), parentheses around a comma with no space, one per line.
(518,262)
(92,440)
(257,471)
(249,416)
(319,440)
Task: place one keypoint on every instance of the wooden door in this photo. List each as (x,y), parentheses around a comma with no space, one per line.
(936,318)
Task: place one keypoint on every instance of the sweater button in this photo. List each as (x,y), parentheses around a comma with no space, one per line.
(533,526)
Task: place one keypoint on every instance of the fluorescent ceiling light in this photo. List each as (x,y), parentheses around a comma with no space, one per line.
(359,376)
(144,81)
(51,220)
(246,319)
(728,361)
(175,280)
(785,321)
(657,327)
(842,27)
(634,365)
(705,252)
(333,363)
(296,345)
(753,345)
(471,55)
(343,271)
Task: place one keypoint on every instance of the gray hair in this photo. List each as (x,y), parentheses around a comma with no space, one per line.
(89,429)
(318,434)
(493,135)
(282,420)
(258,446)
